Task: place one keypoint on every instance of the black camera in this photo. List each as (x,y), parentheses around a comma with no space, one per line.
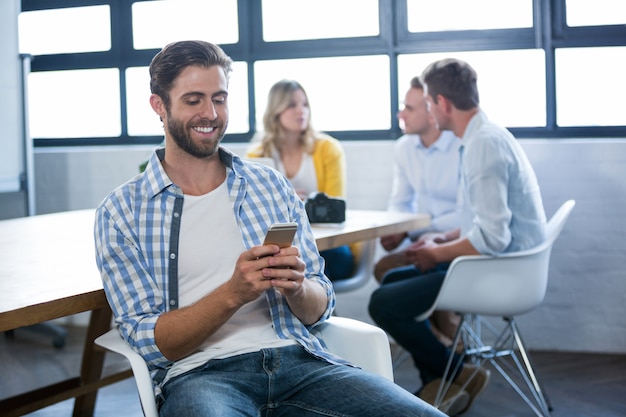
(323,209)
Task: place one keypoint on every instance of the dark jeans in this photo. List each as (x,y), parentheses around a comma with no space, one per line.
(404,294)
(339,263)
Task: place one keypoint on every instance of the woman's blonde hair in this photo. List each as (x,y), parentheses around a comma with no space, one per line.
(278,100)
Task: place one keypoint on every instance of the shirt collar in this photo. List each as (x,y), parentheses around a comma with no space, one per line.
(158,180)
(443,143)
(474,124)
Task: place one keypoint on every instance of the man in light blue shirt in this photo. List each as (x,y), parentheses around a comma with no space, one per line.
(225,323)
(501,211)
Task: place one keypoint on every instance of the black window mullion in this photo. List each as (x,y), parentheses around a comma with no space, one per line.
(549,31)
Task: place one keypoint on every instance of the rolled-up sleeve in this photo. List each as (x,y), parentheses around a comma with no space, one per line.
(486,176)
(135,298)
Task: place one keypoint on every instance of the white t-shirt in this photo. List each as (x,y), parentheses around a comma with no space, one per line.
(206,262)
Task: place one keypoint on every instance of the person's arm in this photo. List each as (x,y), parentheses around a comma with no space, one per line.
(447,221)
(403,195)
(136,299)
(179,333)
(330,167)
(446,252)
(428,256)
(402,199)
(390,242)
(307,300)
(487,164)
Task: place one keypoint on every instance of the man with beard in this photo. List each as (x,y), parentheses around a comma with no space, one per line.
(224,322)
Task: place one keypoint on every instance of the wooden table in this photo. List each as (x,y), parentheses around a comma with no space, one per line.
(49,271)
(363,225)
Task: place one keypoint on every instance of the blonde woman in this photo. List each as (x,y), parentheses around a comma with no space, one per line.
(310,160)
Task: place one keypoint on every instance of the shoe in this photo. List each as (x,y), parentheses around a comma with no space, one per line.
(454,402)
(475,385)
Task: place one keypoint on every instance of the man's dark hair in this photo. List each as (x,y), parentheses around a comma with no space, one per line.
(173,58)
(455,80)
(417,83)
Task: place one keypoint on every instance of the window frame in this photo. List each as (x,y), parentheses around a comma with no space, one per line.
(549,32)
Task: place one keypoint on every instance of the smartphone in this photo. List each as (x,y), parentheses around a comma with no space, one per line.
(281,234)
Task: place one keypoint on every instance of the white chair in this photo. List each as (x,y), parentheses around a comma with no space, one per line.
(504,286)
(364,253)
(364,345)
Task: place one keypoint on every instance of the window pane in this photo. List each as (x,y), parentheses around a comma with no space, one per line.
(70,104)
(511,84)
(440,15)
(595,13)
(581,102)
(157,23)
(58,31)
(238,107)
(346,93)
(142,121)
(288,20)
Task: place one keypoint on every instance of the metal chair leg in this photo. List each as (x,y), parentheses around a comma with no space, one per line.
(507,343)
(543,399)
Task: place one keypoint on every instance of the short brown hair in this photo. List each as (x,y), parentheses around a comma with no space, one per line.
(173,58)
(454,79)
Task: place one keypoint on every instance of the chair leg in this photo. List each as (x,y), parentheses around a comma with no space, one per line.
(399,356)
(543,399)
(470,332)
(507,341)
(446,381)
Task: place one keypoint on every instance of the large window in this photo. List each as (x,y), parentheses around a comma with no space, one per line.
(345,93)
(508,80)
(546,68)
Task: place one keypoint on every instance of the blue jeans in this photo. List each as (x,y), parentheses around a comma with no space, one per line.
(404,294)
(339,263)
(286,382)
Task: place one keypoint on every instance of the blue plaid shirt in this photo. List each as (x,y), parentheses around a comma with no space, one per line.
(136,235)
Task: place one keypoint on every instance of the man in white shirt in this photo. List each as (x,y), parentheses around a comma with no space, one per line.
(425,177)
(501,212)
(425,180)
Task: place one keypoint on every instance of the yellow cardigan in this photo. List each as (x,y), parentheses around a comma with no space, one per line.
(330,165)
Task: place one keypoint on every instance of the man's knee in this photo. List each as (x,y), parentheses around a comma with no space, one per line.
(388,262)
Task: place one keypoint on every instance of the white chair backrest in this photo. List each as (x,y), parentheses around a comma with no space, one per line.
(112,341)
(505,285)
(558,219)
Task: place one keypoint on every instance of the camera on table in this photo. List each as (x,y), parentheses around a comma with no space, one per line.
(323,209)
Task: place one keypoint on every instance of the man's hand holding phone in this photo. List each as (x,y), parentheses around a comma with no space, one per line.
(282,275)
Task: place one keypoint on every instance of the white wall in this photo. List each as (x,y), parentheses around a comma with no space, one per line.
(585,304)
